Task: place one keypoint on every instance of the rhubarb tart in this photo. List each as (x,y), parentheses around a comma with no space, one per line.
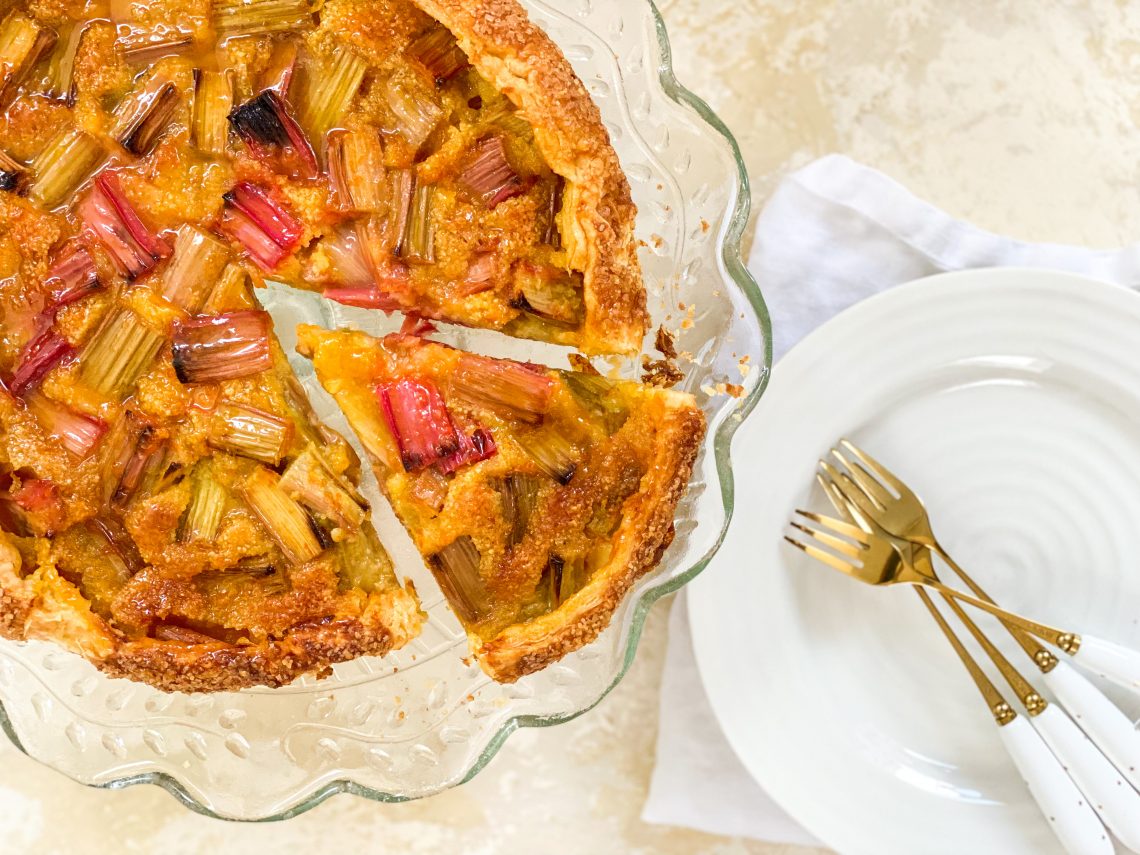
(537,497)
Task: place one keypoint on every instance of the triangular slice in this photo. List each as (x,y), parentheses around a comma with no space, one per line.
(536,496)
(435,157)
(170,507)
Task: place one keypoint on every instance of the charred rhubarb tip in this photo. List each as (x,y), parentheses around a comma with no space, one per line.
(143,115)
(109,215)
(266,125)
(250,432)
(552,451)
(456,570)
(13,176)
(213,348)
(506,388)
(478,446)
(23,42)
(519,495)
(418,418)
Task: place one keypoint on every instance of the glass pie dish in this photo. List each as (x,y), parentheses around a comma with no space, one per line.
(427,718)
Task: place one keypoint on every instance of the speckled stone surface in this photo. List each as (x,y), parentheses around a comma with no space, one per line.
(1019,116)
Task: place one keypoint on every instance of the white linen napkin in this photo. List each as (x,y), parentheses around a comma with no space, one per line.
(833,233)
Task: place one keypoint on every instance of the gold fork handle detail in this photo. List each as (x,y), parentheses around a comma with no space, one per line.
(1070,642)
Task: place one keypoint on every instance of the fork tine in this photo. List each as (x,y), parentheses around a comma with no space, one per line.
(827,558)
(830,540)
(865,480)
(838,526)
(835,497)
(858,503)
(881,472)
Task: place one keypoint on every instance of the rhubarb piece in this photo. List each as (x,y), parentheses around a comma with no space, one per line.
(595,393)
(144,114)
(199,260)
(13,176)
(278,74)
(566,577)
(66,162)
(73,276)
(231,291)
(144,468)
(482,273)
(456,570)
(213,101)
(41,503)
(549,293)
(356,171)
(437,51)
(109,215)
(250,17)
(61,68)
(552,451)
(142,49)
(508,389)
(382,235)
(206,508)
(519,494)
(489,176)
(419,239)
(250,432)
(213,348)
(480,445)
(431,487)
(349,266)
(114,358)
(284,519)
(259,223)
(330,86)
(22,43)
(418,418)
(269,129)
(39,356)
(311,481)
(552,236)
(367,297)
(416,113)
(77,432)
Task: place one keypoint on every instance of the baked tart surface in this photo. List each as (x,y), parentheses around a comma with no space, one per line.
(170,507)
(536,496)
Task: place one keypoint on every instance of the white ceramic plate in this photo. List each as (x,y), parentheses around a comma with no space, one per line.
(1010,401)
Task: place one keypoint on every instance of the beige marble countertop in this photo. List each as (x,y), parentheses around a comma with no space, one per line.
(1019,116)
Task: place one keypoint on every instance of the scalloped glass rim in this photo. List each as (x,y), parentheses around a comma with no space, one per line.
(730,254)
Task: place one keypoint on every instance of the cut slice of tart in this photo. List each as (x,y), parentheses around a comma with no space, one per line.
(170,507)
(439,158)
(536,496)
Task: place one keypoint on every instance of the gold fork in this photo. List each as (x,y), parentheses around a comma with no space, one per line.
(898,511)
(1116,803)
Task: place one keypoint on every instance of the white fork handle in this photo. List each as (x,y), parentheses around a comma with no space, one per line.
(1119,664)
(1069,813)
(1111,730)
(1113,798)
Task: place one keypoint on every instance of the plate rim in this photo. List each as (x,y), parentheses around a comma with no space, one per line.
(701,599)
